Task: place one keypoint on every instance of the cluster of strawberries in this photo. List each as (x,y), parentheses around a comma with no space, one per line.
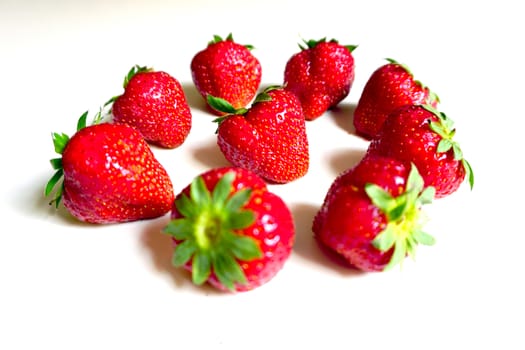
(227,228)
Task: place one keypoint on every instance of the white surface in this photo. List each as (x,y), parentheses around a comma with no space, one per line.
(66,285)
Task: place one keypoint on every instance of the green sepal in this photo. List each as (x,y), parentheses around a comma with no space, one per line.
(224,106)
(134,71)
(82,121)
(57,176)
(403,213)
(56,163)
(60,141)
(210,231)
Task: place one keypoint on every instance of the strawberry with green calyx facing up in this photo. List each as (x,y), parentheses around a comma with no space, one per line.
(108,174)
(230,231)
(422,135)
(321,75)
(372,214)
(391,86)
(154,103)
(269,138)
(227,70)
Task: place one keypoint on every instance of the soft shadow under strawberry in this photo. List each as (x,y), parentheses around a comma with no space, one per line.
(343,159)
(343,115)
(210,155)
(194,99)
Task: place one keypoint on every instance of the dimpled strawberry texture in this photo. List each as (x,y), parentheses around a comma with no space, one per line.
(154,103)
(269,140)
(321,77)
(111,175)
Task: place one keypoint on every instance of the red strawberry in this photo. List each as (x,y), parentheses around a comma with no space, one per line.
(371,216)
(153,103)
(389,87)
(424,136)
(321,75)
(268,139)
(227,70)
(230,231)
(109,175)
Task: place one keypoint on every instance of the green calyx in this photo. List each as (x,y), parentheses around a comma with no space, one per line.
(60,141)
(132,72)
(208,232)
(218,39)
(222,105)
(310,44)
(444,127)
(404,220)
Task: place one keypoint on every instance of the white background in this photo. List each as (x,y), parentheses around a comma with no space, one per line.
(67,285)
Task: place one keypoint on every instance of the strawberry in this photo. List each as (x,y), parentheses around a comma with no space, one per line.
(227,70)
(230,231)
(372,215)
(321,75)
(389,87)
(108,174)
(154,103)
(425,136)
(268,139)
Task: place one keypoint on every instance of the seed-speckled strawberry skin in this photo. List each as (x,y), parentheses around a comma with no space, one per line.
(111,175)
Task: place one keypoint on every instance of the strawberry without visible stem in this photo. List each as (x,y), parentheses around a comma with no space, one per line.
(269,138)
(321,75)
(227,70)
(424,136)
(108,174)
(154,103)
(388,88)
(230,231)
(371,216)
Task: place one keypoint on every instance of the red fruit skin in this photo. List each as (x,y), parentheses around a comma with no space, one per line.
(321,77)
(154,103)
(227,70)
(348,221)
(388,88)
(111,176)
(406,135)
(273,228)
(270,139)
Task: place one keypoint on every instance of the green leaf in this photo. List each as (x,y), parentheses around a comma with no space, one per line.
(458,153)
(59,141)
(56,163)
(424,238)
(53,182)
(238,199)
(220,105)
(180,228)
(415,180)
(385,240)
(199,193)
(469,173)
(201,267)
(183,253)
(81,124)
(222,189)
(444,145)
(400,251)
(379,197)
(186,207)
(397,211)
(243,247)
(427,195)
(228,271)
(241,219)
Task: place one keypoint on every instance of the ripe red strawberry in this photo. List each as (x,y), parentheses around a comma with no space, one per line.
(227,70)
(230,231)
(268,139)
(109,175)
(371,216)
(389,87)
(424,136)
(321,75)
(153,103)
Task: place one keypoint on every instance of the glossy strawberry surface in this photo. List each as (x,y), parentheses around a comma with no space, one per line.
(155,104)
(269,139)
(321,75)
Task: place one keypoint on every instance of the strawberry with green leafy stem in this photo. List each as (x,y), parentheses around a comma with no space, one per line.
(269,138)
(372,215)
(108,174)
(422,135)
(227,70)
(230,231)
(389,87)
(321,75)
(154,103)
